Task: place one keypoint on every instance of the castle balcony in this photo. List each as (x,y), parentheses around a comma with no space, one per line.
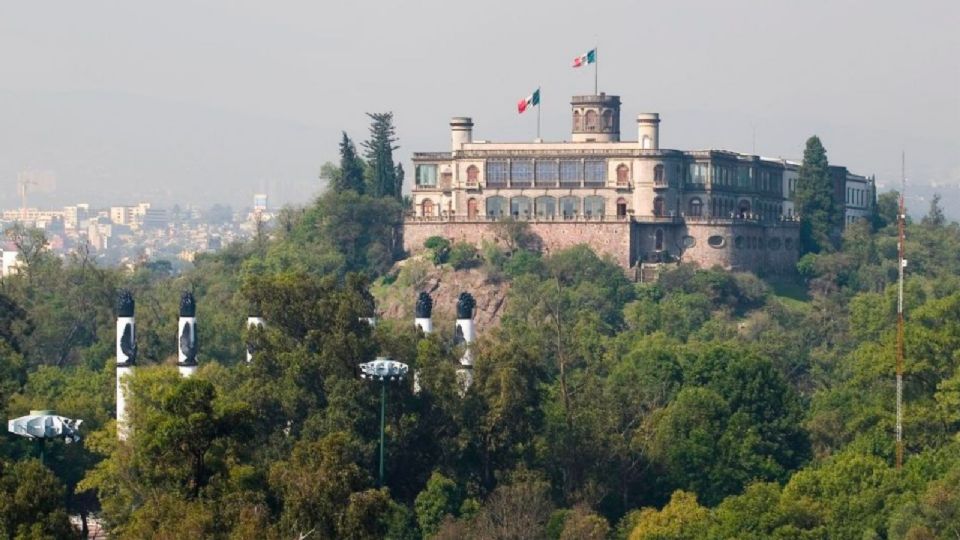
(446,218)
(660,184)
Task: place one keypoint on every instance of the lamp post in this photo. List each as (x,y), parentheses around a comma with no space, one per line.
(384,370)
(41,425)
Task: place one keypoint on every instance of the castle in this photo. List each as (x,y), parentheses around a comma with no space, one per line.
(639,203)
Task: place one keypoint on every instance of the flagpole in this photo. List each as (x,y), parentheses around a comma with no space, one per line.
(596,68)
(538,114)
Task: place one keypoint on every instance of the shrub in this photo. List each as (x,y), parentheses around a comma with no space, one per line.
(464,255)
(440,247)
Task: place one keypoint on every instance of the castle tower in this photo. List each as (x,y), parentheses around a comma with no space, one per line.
(648,131)
(424,309)
(126,355)
(187,330)
(596,118)
(461,131)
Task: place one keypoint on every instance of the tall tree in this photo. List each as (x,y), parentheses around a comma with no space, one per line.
(382,179)
(350,174)
(814,199)
(935,217)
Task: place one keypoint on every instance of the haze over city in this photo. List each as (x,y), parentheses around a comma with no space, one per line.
(196,103)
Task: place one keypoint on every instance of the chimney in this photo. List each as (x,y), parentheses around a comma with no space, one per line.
(126,355)
(187,332)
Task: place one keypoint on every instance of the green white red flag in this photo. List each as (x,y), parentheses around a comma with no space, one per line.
(588,57)
(529,101)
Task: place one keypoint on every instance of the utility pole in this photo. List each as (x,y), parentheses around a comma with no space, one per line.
(901,263)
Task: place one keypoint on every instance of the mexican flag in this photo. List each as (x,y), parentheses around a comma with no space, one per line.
(588,57)
(529,101)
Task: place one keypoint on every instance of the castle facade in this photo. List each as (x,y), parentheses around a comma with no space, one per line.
(633,200)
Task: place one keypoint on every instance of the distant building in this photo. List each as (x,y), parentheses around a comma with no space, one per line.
(633,200)
(260,202)
(9,261)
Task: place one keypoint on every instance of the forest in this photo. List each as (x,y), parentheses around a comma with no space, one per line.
(709,404)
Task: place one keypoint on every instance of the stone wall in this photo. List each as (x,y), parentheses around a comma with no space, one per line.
(744,246)
(604,237)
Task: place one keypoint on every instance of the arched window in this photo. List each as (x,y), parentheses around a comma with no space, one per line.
(645,143)
(473,173)
(621,207)
(426,208)
(590,121)
(577,124)
(658,206)
(623,175)
(608,119)
(546,207)
(593,206)
(521,207)
(658,240)
(658,174)
(569,207)
(471,208)
(496,206)
(695,207)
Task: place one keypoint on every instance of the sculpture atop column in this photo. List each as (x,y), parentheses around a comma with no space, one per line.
(126,353)
(424,309)
(465,335)
(187,330)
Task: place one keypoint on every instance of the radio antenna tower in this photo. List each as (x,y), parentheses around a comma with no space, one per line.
(901,264)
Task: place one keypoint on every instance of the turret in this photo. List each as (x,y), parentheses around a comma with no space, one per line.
(596,118)
(648,131)
(461,131)
(187,335)
(126,355)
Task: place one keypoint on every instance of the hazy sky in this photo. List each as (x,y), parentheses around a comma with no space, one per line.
(210,101)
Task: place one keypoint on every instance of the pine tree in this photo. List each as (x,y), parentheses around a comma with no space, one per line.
(350,175)
(814,200)
(935,217)
(382,181)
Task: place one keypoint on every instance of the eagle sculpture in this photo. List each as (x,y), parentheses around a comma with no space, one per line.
(188,343)
(424,306)
(465,305)
(127,345)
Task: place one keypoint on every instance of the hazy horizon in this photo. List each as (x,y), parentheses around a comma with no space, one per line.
(209,103)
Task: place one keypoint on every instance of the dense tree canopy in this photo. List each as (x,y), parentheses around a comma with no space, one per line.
(710,404)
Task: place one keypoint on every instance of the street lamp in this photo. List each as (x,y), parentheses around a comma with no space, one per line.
(384,370)
(41,425)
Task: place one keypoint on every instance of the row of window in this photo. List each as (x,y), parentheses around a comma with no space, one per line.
(526,207)
(588,120)
(530,172)
(740,176)
(857,197)
(525,172)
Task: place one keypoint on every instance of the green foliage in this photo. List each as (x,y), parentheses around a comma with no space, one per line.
(384,178)
(439,499)
(593,398)
(439,248)
(464,255)
(820,215)
(31,503)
